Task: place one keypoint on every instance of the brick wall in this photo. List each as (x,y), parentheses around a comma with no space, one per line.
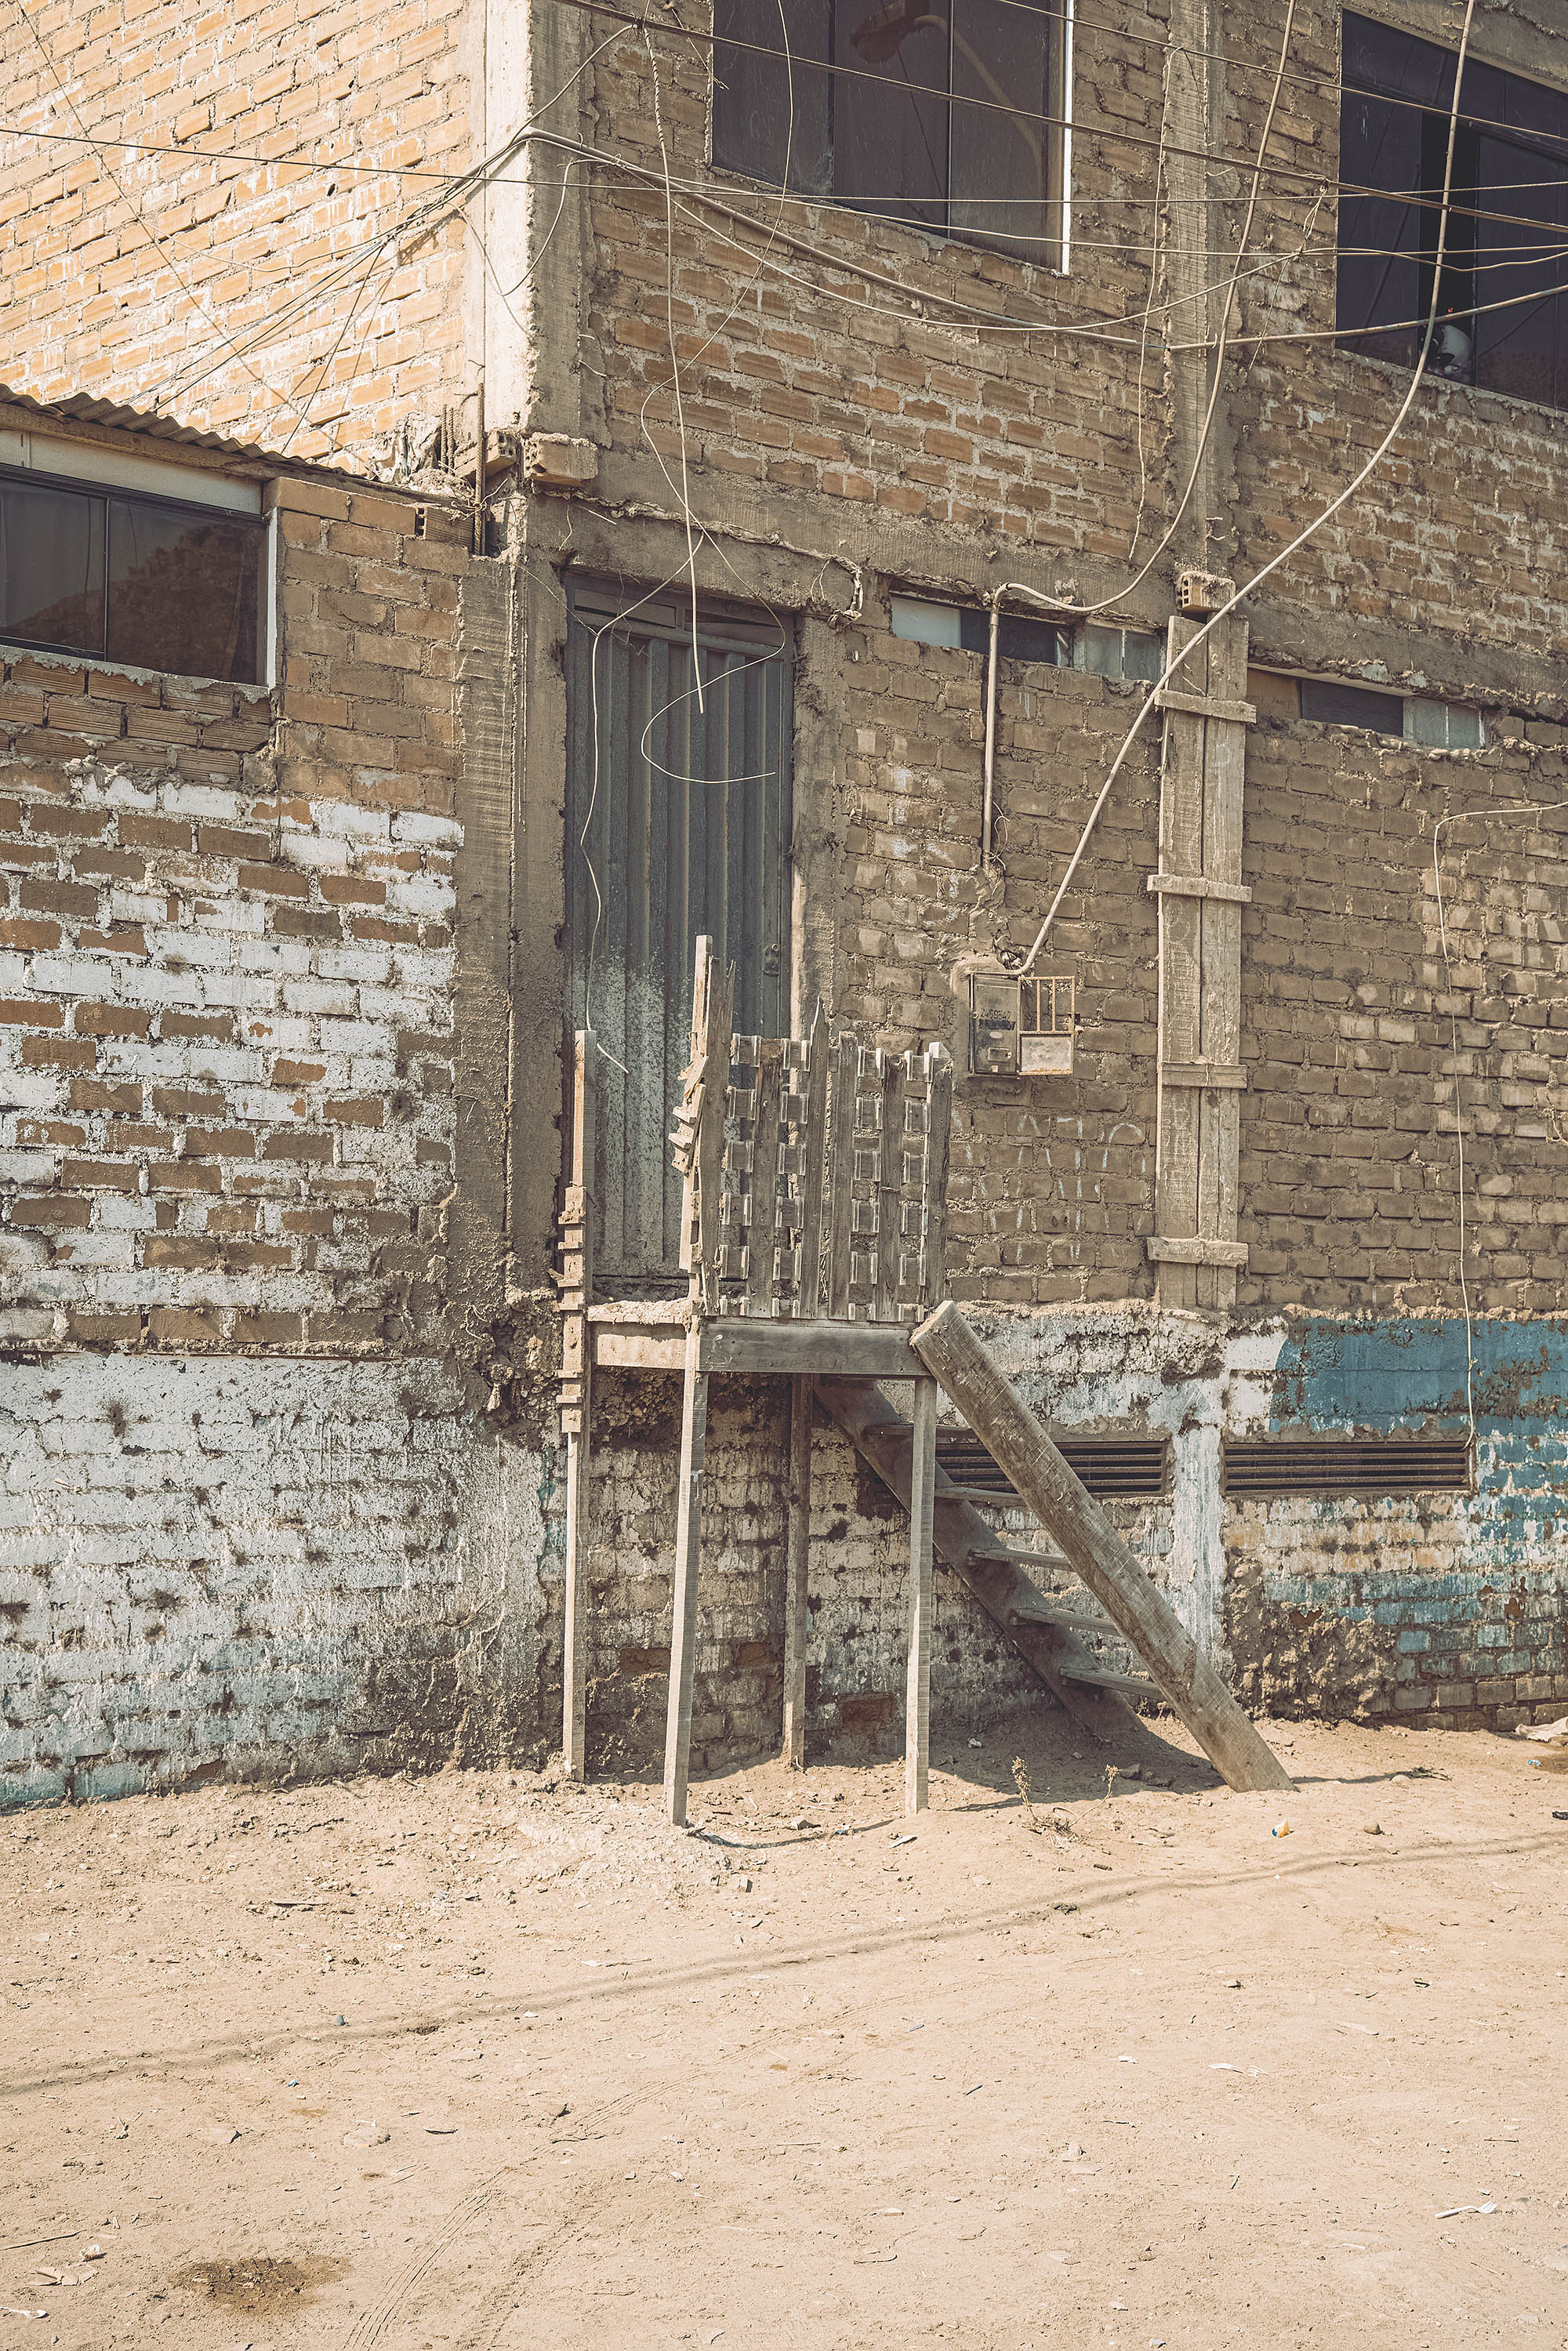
(141,270)
(225,966)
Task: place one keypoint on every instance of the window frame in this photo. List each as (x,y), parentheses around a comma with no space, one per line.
(261,526)
(1467,308)
(1054,252)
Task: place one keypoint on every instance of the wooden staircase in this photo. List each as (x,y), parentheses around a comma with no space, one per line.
(1055,1638)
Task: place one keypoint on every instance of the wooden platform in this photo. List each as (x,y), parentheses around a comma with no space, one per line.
(650,1335)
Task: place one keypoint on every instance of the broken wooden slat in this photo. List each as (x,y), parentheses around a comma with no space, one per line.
(895,1074)
(938,1138)
(1072,1517)
(812,1143)
(762,1227)
(840,1178)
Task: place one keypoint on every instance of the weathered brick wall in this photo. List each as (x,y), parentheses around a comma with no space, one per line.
(142,269)
(226,961)
(1364,1046)
(256,1568)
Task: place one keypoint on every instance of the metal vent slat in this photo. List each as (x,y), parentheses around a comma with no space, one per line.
(1367,1466)
(1112,1467)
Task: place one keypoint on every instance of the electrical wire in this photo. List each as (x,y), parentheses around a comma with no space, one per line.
(1296,544)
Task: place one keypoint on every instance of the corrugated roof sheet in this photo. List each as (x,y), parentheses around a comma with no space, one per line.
(80,408)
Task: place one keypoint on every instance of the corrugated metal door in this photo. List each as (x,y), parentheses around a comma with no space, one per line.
(678,822)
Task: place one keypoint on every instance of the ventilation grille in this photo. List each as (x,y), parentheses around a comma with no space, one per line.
(1112,1467)
(1346,1465)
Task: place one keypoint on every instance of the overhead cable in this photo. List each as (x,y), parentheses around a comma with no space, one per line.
(1296,544)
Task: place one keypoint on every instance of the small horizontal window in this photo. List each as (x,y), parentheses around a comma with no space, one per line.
(1333,704)
(1118,653)
(967,628)
(1369,1466)
(149,582)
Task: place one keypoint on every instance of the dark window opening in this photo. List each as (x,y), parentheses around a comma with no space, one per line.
(1333,705)
(1502,311)
(141,580)
(1369,1466)
(933,112)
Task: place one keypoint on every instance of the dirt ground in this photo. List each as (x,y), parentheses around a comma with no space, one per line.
(485,2061)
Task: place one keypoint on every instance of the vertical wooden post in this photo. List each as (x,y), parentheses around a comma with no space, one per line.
(688,1557)
(798,1537)
(922,1512)
(576,1396)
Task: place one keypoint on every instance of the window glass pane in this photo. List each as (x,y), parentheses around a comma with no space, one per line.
(182,591)
(925,624)
(752,129)
(51,567)
(1521,350)
(1001,162)
(890,136)
(1378,58)
(1379,235)
(1333,705)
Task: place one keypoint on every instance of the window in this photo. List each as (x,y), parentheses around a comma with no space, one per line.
(1503,307)
(932,111)
(1332,702)
(967,627)
(154,582)
(1119,653)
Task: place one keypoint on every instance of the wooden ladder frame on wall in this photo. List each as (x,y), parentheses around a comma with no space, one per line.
(814,1231)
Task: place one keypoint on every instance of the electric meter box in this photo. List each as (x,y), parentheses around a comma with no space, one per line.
(1022,1028)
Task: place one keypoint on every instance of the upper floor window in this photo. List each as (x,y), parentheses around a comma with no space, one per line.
(1503,307)
(160,583)
(947,113)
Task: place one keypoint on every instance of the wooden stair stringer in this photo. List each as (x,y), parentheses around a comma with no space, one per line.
(966,1543)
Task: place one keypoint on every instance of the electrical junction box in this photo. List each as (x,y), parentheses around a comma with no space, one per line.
(1022,1028)
(1203,591)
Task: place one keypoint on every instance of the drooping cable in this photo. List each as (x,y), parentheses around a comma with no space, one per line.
(1296,544)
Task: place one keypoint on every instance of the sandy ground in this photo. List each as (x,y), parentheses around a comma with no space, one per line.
(486,2061)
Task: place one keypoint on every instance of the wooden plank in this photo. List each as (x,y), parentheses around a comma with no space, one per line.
(1224,775)
(1197,885)
(762,1226)
(1210,1074)
(577,1399)
(688,1561)
(708,1174)
(963,1538)
(896,1073)
(1181,953)
(840,1176)
(812,1145)
(917,1680)
(696,1069)
(620,1350)
(934,1187)
(797,1546)
(1184,1250)
(1073,1518)
(857,1350)
(1198,705)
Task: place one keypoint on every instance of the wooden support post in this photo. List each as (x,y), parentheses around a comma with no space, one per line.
(1074,1521)
(798,1537)
(917,1690)
(688,1557)
(575,1398)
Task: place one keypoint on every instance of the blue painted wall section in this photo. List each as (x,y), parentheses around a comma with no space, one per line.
(1451,1608)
